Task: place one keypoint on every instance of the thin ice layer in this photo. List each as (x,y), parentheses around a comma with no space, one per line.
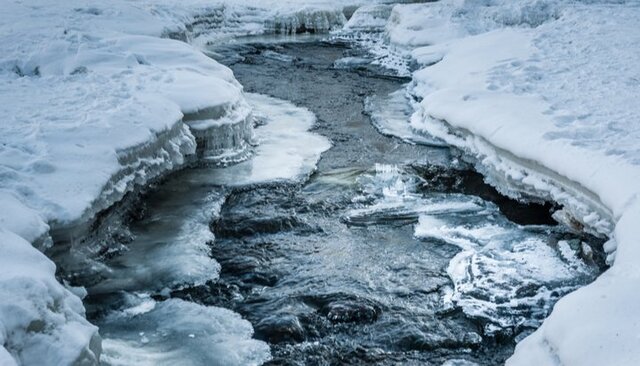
(507,275)
(390,115)
(388,196)
(171,248)
(286,150)
(177,332)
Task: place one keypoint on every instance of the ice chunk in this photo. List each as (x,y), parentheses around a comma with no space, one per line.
(389,196)
(369,18)
(312,20)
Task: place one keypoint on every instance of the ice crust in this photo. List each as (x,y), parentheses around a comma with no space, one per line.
(196,335)
(285,151)
(541,95)
(506,276)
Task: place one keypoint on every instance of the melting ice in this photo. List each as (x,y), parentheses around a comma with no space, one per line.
(390,115)
(286,151)
(507,275)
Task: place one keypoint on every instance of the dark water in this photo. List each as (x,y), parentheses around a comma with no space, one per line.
(329,271)
(324,290)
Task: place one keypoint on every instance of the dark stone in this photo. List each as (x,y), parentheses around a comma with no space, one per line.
(280,328)
(352,311)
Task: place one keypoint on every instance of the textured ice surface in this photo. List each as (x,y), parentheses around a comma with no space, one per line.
(507,275)
(390,114)
(286,150)
(177,332)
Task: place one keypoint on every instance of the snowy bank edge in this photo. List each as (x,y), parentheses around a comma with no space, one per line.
(595,324)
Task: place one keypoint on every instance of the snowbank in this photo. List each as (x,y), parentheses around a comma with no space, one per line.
(97,101)
(542,95)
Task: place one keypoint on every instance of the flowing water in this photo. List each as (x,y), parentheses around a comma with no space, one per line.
(392,252)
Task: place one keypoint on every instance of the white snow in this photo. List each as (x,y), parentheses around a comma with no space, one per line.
(286,150)
(543,95)
(41,322)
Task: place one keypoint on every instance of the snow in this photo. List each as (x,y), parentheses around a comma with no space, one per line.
(542,95)
(42,322)
(286,151)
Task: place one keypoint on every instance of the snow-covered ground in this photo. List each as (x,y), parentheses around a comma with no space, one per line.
(543,95)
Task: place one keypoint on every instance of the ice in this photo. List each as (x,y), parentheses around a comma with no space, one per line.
(351,62)
(391,114)
(369,18)
(177,332)
(507,275)
(286,151)
(171,248)
(307,20)
(389,196)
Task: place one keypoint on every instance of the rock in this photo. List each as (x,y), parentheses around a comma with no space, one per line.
(280,328)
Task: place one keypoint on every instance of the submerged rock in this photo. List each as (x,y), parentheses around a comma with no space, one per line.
(280,328)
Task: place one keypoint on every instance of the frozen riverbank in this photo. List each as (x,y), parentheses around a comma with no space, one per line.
(97,104)
(541,95)
(87,82)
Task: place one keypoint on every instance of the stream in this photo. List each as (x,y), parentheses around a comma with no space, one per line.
(388,250)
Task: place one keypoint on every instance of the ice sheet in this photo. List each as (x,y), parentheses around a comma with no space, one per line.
(286,150)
